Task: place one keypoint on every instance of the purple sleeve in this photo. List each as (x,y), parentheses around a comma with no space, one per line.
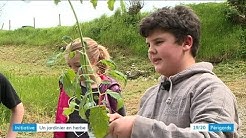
(113,102)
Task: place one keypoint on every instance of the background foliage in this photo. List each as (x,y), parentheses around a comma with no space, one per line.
(220,38)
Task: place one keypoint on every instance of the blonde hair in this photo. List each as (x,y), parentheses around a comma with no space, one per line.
(94,51)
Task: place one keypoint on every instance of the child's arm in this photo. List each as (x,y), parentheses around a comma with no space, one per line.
(16,117)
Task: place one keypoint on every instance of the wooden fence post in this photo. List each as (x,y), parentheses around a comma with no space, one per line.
(9,24)
(34,24)
(59,20)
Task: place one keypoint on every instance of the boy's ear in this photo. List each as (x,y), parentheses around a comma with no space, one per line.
(188,42)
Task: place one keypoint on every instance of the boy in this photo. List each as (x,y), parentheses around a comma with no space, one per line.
(10,99)
(188,92)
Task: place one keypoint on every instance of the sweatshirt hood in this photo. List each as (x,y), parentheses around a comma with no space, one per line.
(168,82)
(201,67)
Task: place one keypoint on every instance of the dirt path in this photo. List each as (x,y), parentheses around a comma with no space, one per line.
(239,89)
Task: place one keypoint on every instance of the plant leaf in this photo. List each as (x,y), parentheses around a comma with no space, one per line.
(99,121)
(67,39)
(72,54)
(73,104)
(67,80)
(53,59)
(111,4)
(70,109)
(122,5)
(89,81)
(67,111)
(82,108)
(110,63)
(94,3)
(118,75)
(118,97)
(57,1)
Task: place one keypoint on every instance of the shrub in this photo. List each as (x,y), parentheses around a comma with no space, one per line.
(236,11)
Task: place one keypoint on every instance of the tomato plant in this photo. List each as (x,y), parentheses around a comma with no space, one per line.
(95,114)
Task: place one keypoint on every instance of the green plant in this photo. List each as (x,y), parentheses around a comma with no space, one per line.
(242,51)
(95,114)
(236,11)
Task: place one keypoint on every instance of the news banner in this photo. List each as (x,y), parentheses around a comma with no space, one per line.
(50,127)
(225,127)
(212,127)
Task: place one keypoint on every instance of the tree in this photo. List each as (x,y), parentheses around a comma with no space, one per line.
(237,11)
(135,6)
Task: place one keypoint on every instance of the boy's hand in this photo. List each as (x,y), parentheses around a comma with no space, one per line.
(114,116)
(121,127)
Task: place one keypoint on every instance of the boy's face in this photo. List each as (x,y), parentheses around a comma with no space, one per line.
(74,63)
(165,54)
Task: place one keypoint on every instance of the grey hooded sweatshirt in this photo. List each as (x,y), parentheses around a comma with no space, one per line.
(195,95)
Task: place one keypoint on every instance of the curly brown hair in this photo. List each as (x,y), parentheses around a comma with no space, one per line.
(179,21)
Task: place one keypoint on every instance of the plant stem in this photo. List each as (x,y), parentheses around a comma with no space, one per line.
(86,62)
(77,22)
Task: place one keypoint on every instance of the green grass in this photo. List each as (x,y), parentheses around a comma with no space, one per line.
(39,94)
(219,38)
(36,91)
